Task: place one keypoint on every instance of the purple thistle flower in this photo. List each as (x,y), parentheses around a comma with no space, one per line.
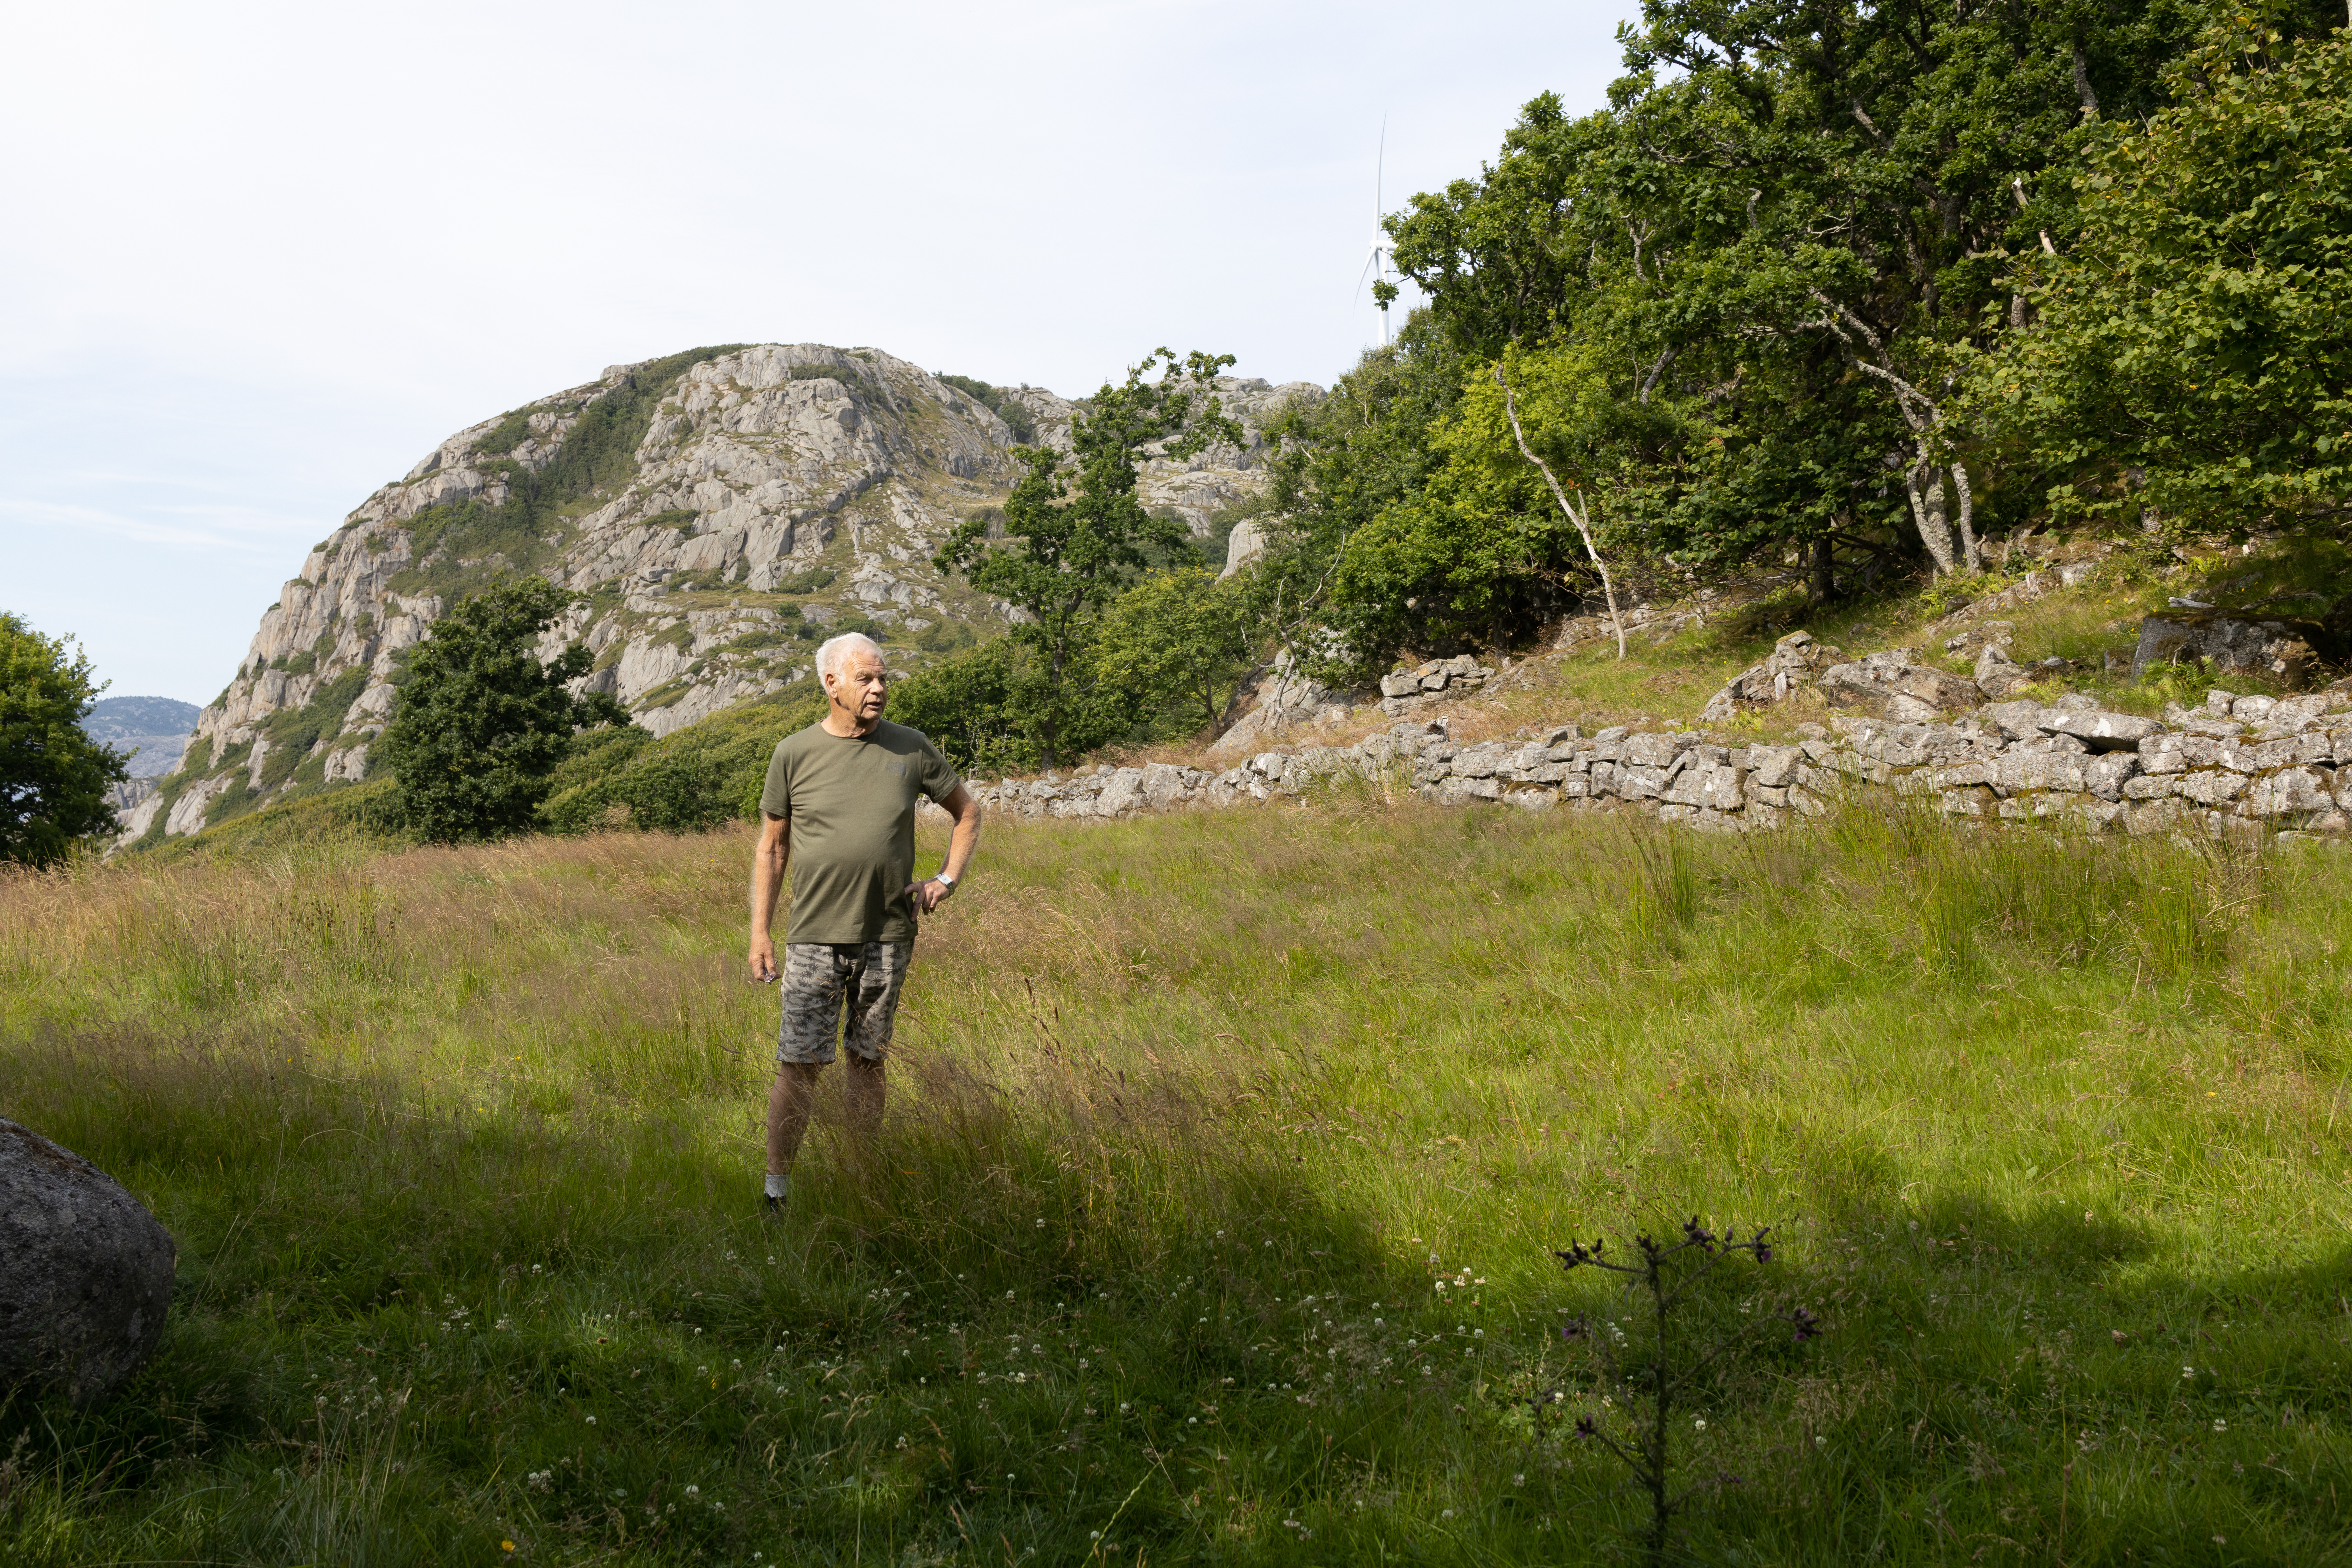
(1808,1326)
(1575,1329)
(1585,1428)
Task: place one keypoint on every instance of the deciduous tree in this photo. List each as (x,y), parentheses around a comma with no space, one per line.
(1076,535)
(2190,357)
(53,777)
(480,722)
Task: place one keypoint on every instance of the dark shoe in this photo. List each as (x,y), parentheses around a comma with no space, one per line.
(775,1207)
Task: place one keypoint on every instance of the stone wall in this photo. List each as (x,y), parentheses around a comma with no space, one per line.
(2240,764)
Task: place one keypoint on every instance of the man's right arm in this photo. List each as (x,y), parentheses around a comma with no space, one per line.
(767,882)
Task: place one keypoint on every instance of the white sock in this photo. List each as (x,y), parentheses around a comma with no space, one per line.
(775,1185)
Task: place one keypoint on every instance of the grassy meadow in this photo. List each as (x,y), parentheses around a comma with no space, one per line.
(1213,1218)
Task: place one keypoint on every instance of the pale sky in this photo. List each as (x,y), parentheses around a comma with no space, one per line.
(256,260)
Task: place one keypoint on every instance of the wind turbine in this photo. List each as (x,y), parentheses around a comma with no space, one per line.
(1377,266)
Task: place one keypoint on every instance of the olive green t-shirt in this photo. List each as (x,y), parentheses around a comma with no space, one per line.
(850,802)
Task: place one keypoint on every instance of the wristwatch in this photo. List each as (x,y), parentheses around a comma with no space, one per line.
(944,880)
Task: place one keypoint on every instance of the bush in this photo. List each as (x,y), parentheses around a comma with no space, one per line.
(972,709)
(1174,646)
(806,581)
(998,403)
(512,431)
(691,779)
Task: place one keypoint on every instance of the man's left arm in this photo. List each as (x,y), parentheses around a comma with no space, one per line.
(965,839)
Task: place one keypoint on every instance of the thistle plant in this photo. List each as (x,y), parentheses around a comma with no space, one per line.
(1672,1273)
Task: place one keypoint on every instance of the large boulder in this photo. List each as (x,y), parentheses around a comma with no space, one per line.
(1999,675)
(1794,658)
(1890,685)
(85,1270)
(1244,545)
(2278,649)
(1288,698)
(2100,731)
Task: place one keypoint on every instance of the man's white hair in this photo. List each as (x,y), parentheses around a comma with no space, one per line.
(833,650)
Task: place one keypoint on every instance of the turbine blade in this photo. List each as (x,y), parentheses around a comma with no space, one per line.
(1366,272)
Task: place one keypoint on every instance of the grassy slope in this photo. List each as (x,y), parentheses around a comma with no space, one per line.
(461,1149)
(1669,678)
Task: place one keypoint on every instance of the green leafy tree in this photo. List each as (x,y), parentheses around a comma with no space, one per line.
(1797,222)
(1177,643)
(1483,549)
(480,723)
(1340,463)
(1076,535)
(53,777)
(2192,359)
(972,705)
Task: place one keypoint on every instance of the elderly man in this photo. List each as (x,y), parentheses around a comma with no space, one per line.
(839,809)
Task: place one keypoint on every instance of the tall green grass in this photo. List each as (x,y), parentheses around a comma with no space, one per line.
(1191,1118)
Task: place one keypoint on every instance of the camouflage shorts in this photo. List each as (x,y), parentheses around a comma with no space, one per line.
(820,978)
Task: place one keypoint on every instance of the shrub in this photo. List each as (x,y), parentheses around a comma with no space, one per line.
(975,707)
(693,778)
(808,580)
(998,403)
(512,431)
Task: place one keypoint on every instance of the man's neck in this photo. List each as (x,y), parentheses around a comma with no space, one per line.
(840,721)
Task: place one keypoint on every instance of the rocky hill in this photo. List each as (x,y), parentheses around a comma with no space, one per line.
(721,509)
(153,729)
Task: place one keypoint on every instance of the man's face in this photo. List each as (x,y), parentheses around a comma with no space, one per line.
(859,685)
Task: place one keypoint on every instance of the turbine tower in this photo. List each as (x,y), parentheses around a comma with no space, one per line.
(1377,266)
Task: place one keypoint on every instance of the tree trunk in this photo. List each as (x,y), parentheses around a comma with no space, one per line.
(1048,729)
(1926,497)
(1970,555)
(1823,587)
(1583,523)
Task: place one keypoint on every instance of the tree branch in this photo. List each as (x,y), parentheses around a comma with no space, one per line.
(2083,83)
(1656,370)
(1608,585)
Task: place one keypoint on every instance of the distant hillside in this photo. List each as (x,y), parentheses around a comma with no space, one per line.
(723,509)
(154,729)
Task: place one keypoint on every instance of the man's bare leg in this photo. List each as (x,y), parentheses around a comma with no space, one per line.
(789,1100)
(791,1096)
(865,1093)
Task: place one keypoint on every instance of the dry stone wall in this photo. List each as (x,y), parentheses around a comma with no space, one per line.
(2235,764)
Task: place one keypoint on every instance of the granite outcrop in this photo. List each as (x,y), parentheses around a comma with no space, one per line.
(775,494)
